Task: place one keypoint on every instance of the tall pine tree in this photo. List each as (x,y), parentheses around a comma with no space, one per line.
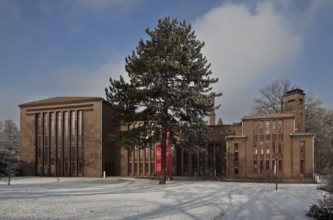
(168,91)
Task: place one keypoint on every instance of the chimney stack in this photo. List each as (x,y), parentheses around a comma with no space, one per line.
(212,112)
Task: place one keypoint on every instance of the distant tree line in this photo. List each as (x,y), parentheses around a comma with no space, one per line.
(318,119)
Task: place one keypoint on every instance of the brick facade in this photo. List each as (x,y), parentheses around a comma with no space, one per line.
(273,145)
(67,136)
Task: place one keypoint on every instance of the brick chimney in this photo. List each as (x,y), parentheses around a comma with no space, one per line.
(212,112)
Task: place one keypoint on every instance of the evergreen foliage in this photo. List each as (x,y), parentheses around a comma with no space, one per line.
(168,91)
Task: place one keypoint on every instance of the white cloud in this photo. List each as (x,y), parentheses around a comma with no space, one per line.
(245,45)
(76,81)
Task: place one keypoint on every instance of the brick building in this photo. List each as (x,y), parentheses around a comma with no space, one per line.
(273,144)
(67,136)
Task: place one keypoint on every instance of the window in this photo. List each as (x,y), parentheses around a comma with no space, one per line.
(255,149)
(59,145)
(280,165)
(274,166)
(152,168)
(46,130)
(279,126)
(280,146)
(135,168)
(130,168)
(255,167)
(255,127)
(267,147)
(72,131)
(302,156)
(261,127)
(267,127)
(267,168)
(141,168)
(302,147)
(236,158)
(302,168)
(274,127)
(146,168)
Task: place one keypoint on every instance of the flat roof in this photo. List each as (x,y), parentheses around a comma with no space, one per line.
(60,100)
(268,116)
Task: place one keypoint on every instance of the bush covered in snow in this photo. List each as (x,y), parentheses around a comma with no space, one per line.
(325,208)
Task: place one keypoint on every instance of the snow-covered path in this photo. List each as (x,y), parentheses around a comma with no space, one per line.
(126,198)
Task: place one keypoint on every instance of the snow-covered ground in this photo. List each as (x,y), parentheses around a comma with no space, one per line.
(127,198)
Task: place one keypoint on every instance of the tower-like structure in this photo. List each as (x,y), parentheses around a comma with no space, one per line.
(212,112)
(294,103)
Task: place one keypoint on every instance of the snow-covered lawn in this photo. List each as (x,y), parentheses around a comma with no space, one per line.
(127,198)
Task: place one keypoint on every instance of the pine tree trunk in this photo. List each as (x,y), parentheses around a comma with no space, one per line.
(163,157)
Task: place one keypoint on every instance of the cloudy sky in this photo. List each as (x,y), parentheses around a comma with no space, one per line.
(54,48)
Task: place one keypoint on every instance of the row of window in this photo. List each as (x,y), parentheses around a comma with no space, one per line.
(144,159)
(260,170)
(59,143)
(267,127)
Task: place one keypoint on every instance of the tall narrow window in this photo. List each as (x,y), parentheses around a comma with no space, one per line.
(261,127)
(279,126)
(255,127)
(66,144)
(211,167)
(268,147)
(280,146)
(53,144)
(59,145)
(267,168)
(274,127)
(236,158)
(80,141)
(267,127)
(46,144)
(152,160)
(302,147)
(302,156)
(255,148)
(79,128)
(39,133)
(280,165)
(130,161)
(302,167)
(72,128)
(255,167)
(201,163)
(73,151)
(186,164)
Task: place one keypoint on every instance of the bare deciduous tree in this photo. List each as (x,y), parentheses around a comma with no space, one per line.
(271,100)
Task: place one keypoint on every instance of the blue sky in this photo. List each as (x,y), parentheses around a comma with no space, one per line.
(54,48)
